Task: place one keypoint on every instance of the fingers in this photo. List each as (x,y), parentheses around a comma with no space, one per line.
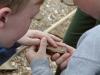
(70,49)
(55,38)
(40,35)
(62,58)
(61,61)
(43,46)
(51,38)
(30,52)
(61,44)
(64,64)
(51,41)
(30,41)
(55,57)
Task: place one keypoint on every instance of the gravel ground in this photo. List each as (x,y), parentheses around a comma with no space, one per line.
(50,12)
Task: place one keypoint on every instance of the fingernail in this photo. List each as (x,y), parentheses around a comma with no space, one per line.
(60,39)
(44,38)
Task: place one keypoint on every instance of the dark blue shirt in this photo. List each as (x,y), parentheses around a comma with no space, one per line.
(6,53)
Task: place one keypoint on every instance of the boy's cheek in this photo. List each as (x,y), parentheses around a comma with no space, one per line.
(35,11)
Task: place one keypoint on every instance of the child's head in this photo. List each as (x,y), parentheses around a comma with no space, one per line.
(15,18)
(13,4)
(91,7)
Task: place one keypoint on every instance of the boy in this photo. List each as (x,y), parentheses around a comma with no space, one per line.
(15,18)
(85,59)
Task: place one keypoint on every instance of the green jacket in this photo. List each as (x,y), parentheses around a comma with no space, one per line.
(81,22)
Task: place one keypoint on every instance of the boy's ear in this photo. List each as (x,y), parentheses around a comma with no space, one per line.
(4,13)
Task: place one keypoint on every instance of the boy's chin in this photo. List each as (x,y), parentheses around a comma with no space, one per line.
(7,45)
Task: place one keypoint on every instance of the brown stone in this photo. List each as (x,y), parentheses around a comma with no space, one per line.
(52,50)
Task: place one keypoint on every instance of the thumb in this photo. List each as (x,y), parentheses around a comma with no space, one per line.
(31,41)
(43,46)
(30,53)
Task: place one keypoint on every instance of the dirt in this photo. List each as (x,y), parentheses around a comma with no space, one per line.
(50,12)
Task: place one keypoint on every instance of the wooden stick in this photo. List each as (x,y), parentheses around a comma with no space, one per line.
(60,21)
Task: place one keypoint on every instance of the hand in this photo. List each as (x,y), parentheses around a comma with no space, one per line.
(31,54)
(33,37)
(63,60)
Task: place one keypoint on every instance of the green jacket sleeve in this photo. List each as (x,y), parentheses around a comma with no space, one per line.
(80,23)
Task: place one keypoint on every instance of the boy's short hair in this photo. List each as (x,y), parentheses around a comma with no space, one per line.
(13,4)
